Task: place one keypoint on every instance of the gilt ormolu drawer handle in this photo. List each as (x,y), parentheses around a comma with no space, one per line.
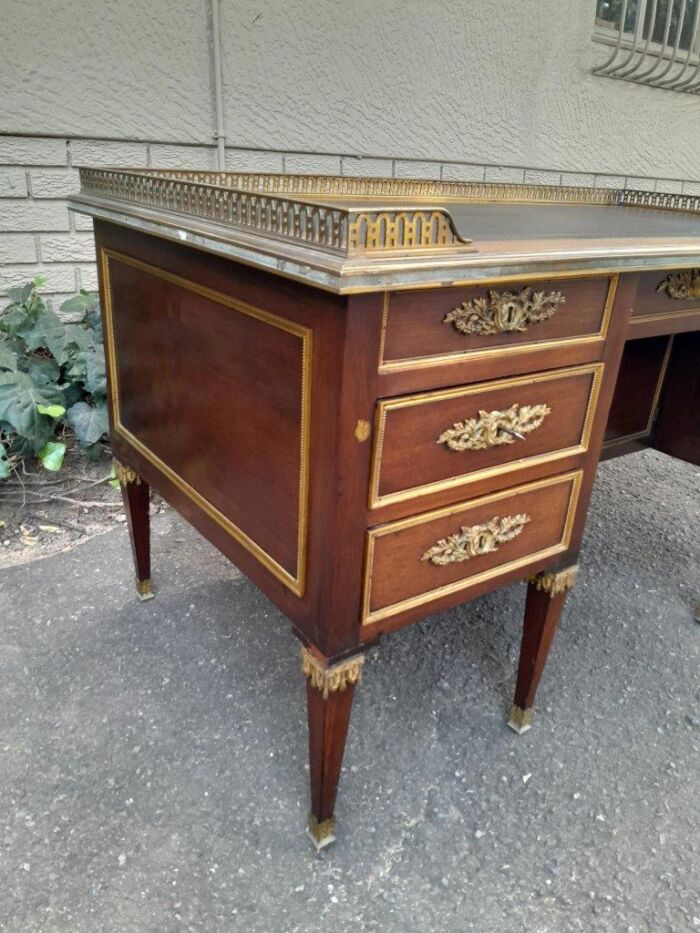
(493,428)
(681,285)
(504,312)
(476,540)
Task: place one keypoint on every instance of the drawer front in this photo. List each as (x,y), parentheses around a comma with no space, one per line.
(664,294)
(426,327)
(418,560)
(450,438)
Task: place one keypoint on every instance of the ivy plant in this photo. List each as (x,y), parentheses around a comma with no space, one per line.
(52,378)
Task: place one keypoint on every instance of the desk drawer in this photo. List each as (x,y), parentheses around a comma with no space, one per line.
(428,327)
(450,438)
(418,560)
(667,294)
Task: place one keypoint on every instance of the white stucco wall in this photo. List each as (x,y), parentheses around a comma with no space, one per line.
(427,88)
(464,80)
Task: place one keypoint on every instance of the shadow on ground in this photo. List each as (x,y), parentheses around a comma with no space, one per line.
(153,756)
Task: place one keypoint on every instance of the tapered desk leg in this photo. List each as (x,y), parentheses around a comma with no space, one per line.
(135,493)
(546,594)
(329,693)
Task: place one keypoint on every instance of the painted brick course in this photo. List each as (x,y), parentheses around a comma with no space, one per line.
(308,163)
(375,168)
(104,153)
(17,247)
(455,171)
(54,182)
(25,215)
(13,183)
(67,247)
(196,157)
(504,174)
(30,150)
(59,278)
(248,160)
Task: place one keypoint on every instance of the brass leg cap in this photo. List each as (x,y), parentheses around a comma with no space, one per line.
(322,834)
(520,720)
(144,588)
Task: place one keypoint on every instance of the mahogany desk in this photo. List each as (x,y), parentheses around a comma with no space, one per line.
(381,398)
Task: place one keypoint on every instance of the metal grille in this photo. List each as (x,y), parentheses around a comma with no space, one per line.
(655,42)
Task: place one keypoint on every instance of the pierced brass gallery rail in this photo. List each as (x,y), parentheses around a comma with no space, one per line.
(207,196)
(504,312)
(682,285)
(476,540)
(494,428)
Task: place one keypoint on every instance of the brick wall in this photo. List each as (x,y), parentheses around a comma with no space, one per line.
(38,235)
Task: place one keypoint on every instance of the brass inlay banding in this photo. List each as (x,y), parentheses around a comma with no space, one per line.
(370,616)
(295,582)
(639,320)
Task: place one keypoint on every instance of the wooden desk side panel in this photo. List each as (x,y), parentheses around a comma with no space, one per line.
(212,400)
(219,395)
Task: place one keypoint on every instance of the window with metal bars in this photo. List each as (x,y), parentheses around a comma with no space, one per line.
(654,42)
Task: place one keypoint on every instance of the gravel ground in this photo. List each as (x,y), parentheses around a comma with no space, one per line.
(153,755)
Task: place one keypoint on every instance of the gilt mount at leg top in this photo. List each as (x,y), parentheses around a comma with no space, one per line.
(126,474)
(555,582)
(333,678)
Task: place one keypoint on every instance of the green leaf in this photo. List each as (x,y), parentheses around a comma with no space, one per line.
(8,357)
(72,393)
(16,320)
(51,455)
(39,281)
(80,303)
(53,411)
(92,452)
(62,340)
(93,320)
(5,468)
(89,368)
(43,370)
(19,401)
(89,422)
